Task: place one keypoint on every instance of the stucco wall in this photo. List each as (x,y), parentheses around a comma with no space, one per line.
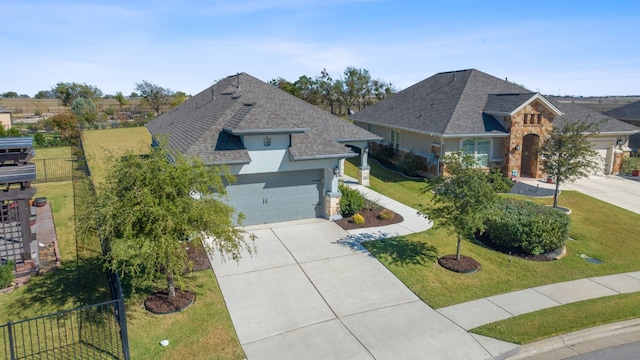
(5,120)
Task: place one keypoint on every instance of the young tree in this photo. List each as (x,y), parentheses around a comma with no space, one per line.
(567,152)
(121,99)
(67,124)
(85,110)
(149,205)
(156,96)
(460,199)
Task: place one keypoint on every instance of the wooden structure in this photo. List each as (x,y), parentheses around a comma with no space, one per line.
(17,236)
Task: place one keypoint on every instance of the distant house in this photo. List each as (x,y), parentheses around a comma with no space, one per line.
(630,114)
(499,122)
(5,117)
(284,151)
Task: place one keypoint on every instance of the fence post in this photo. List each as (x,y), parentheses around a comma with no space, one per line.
(44,162)
(122,319)
(10,331)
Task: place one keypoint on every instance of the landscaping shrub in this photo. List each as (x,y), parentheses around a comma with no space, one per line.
(384,152)
(524,225)
(629,164)
(352,201)
(386,214)
(411,164)
(6,274)
(371,204)
(358,219)
(501,183)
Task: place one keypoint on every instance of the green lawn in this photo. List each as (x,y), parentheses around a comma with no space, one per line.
(204,330)
(74,283)
(53,152)
(600,230)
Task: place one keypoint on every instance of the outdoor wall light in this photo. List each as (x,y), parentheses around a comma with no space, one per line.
(336,171)
(619,142)
(517,148)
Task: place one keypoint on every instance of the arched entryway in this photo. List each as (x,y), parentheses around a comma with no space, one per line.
(529,164)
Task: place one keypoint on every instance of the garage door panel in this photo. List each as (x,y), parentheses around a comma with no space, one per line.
(274,197)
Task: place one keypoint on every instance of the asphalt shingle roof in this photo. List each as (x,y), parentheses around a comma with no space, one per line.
(208,124)
(456,102)
(626,112)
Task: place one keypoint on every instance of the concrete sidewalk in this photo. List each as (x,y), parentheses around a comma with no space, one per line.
(484,311)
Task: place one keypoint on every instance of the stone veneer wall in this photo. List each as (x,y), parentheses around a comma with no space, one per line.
(518,130)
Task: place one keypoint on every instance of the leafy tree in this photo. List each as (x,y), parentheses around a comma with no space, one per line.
(567,152)
(154,95)
(459,200)
(134,95)
(355,87)
(178,98)
(85,110)
(44,94)
(147,207)
(66,93)
(329,90)
(9,94)
(122,101)
(67,124)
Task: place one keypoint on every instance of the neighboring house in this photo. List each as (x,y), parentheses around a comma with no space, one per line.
(630,114)
(5,117)
(284,151)
(499,122)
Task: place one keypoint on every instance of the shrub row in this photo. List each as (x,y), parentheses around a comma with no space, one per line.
(527,226)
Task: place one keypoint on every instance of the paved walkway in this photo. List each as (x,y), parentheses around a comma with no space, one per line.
(313,292)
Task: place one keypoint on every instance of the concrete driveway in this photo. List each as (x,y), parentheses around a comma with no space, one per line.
(615,190)
(313,292)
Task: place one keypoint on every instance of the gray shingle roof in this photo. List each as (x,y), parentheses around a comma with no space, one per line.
(574,112)
(626,112)
(208,124)
(456,102)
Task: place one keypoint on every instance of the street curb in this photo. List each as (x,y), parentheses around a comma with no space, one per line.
(571,339)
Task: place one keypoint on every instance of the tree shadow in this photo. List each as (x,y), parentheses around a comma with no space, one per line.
(402,251)
(72,284)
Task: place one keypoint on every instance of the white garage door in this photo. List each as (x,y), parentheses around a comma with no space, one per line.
(273,197)
(602,148)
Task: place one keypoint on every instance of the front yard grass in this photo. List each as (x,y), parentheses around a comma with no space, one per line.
(204,330)
(599,230)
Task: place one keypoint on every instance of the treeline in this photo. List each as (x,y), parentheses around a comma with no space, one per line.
(354,89)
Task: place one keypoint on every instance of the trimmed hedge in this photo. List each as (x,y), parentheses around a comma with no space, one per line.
(527,226)
(352,201)
(6,274)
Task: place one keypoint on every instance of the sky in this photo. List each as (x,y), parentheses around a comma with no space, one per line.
(562,47)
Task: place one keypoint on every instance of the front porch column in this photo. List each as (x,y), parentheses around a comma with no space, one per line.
(340,167)
(332,197)
(363,170)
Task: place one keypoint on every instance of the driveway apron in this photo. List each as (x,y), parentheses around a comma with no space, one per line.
(313,292)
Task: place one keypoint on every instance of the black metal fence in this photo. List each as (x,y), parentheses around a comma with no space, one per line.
(88,332)
(54,170)
(97,331)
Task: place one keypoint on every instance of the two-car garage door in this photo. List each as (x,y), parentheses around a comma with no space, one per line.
(273,197)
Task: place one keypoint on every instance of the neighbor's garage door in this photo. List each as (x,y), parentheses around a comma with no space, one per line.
(603,150)
(273,197)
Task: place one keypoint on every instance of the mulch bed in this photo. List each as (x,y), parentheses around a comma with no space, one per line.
(160,303)
(465,265)
(370,220)
(198,257)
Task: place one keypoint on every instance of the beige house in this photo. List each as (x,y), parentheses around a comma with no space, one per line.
(5,117)
(499,122)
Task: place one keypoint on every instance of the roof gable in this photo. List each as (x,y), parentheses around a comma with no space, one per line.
(210,124)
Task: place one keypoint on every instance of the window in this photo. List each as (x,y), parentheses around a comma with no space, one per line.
(395,139)
(478,148)
(532,119)
(266,141)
